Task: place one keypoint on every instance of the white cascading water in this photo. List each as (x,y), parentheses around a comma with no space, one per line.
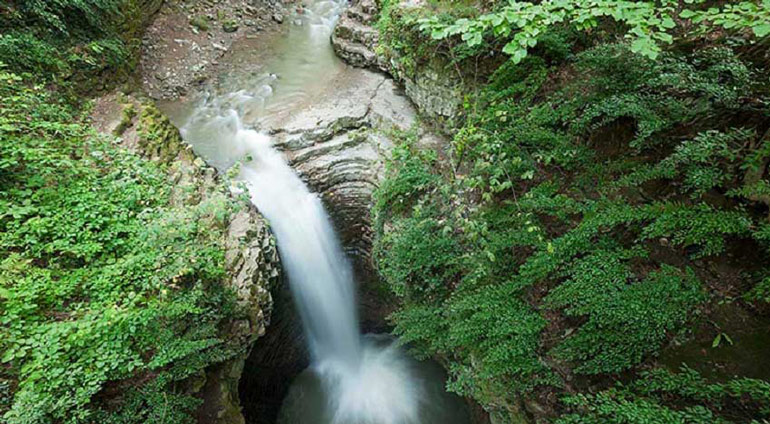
(365,384)
(318,271)
(361,380)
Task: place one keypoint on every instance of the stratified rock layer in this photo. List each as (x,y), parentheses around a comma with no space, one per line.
(338,145)
(252,262)
(435,91)
(354,39)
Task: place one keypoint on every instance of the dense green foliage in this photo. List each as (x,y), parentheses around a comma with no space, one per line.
(111,277)
(605,190)
(103,278)
(741,399)
(68,39)
(584,213)
(649,23)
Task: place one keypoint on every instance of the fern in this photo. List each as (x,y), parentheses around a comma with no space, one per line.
(627,319)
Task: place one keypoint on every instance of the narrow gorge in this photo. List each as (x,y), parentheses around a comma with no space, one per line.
(384,211)
(283,111)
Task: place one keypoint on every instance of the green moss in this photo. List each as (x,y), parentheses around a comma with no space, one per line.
(158,137)
(230,25)
(127,116)
(200,22)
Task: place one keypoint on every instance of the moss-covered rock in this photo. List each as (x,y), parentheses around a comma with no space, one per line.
(230,25)
(158,138)
(200,22)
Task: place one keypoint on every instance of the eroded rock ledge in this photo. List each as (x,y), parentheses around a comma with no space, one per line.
(436,91)
(354,38)
(338,146)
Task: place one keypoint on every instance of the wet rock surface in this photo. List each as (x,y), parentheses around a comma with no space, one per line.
(354,38)
(437,92)
(273,362)
(338,145)
(252,262)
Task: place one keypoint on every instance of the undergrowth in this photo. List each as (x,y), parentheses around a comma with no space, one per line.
(72,41)
(574,230)
(105,283)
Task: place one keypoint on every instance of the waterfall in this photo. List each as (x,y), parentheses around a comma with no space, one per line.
(352,379)
(320,276)
(367,385)
(363,382)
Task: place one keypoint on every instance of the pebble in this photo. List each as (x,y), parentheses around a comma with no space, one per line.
(201,47)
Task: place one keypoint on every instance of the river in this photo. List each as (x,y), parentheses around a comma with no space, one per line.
(353,378)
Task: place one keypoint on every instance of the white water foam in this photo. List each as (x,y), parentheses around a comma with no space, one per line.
(380,391)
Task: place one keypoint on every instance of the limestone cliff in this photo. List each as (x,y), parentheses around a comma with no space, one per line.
(435,90)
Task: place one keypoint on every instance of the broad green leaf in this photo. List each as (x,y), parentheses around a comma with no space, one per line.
(762,29)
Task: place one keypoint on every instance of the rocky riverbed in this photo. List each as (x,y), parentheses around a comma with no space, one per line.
(184,44)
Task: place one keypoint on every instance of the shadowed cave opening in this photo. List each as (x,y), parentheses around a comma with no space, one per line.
(275,360)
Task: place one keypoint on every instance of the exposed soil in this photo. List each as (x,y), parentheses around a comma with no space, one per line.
(184,44)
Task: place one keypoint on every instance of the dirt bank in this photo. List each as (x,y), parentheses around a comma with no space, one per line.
(185,42)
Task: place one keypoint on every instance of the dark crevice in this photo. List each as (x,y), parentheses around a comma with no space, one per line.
(274,361)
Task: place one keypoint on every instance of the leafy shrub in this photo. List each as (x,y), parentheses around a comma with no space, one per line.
(102,279)
(587,195)
(647,24)
(404,186)
(648,399)
(458,301)
(61,39)
(66,16)
(424,260)
(623,326)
